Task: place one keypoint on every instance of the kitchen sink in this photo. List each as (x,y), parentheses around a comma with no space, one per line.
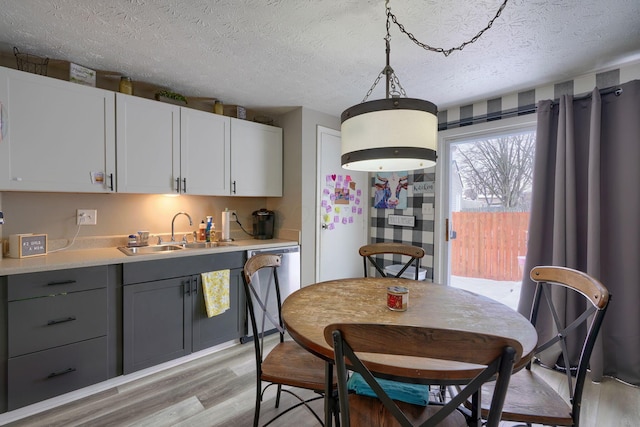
(145,250)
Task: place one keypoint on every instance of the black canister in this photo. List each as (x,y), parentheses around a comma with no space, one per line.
(263,221)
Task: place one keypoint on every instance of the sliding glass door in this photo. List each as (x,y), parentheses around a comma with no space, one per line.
(485,193)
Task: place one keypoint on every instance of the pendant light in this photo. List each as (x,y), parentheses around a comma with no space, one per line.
(395,133)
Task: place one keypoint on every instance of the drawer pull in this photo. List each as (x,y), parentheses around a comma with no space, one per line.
(63,282)
(56,321)
(57,374)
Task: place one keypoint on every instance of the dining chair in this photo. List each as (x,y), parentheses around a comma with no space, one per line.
(495,356)
(530,399)
(287,364)
(369,252)
(402,251)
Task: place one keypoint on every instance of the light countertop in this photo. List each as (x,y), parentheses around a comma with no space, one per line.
(112,255)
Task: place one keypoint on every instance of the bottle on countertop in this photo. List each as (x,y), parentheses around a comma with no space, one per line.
(202,230)
(208,228)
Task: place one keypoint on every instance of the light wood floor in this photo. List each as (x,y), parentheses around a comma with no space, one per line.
(219,390)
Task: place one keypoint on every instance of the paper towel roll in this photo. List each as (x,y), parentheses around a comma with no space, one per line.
(226,224)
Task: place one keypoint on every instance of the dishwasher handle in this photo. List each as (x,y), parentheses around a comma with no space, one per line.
(276,251)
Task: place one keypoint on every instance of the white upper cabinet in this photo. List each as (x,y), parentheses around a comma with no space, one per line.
(148,145)
(56,135)
(61,136)
(205,147)
(256,159)
(164,149)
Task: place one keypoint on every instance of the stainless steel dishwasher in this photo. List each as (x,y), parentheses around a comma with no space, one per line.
(288,277)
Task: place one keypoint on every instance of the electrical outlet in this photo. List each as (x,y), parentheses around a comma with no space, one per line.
(86,217)
(233,213)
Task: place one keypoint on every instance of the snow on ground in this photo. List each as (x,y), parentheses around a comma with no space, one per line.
(508,293)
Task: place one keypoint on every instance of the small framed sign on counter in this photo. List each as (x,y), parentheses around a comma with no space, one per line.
(27,245)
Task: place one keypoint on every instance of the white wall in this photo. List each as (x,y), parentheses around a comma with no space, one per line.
(297,208)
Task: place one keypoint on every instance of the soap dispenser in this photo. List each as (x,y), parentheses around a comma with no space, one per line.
(212,233)
(202,232)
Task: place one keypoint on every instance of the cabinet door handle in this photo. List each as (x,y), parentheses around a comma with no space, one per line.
(195,286)
(184,185)
(178,185)
(234,188)
(187,287)
(57,374)
(62,282)
(111,181)
(64,320)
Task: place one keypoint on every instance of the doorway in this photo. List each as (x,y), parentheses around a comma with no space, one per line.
(485,188)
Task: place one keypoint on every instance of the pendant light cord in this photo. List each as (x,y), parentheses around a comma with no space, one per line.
(393,87)
(445,52)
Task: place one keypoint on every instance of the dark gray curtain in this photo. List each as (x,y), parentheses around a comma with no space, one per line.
(586,214)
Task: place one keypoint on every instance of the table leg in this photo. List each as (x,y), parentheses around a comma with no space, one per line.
(329,401)
(476,413)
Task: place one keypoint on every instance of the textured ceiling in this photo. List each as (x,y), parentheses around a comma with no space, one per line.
(326,54)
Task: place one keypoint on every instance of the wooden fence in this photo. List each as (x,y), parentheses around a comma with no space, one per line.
(487,245)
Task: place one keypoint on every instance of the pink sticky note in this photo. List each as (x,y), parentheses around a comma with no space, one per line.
(331,226)
(336,218)
(358,192)
(350,220)
(347,178)
(357,201)
(323,203)
(359,211)
(354,209)
(344,220)
(326,191)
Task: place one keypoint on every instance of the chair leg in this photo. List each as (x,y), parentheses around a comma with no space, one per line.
(256,415)
(336,408)
(278,395)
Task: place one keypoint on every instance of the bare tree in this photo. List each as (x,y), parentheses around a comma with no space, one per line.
(498,168)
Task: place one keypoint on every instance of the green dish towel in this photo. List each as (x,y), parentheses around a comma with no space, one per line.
(417,394)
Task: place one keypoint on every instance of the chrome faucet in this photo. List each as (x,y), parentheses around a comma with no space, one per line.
(173,238)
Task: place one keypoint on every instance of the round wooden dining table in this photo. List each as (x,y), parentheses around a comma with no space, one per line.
(310,309)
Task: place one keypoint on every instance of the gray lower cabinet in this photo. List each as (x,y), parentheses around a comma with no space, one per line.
(164,315)
(210,331)
(62,332)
